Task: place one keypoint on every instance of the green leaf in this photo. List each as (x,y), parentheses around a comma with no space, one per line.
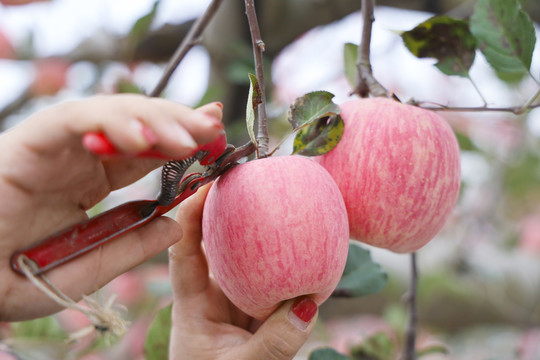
(319,137)
(446,39)
(327,354)
(311,107)
(156,346)
(376,347)
(142,25)
(254,99)
(505,35)
(362,276)
(350,57)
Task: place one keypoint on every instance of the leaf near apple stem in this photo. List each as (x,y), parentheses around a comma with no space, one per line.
(350,57)
(311,107)
(254,99)
(506,37)
(315,118)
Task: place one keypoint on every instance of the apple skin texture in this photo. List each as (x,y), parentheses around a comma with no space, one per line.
(398,169)
(275,229)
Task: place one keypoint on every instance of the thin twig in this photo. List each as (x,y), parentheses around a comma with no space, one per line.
(192,39)
(532,100)
(409,352)
(258,49)
(516,110)
(367,84)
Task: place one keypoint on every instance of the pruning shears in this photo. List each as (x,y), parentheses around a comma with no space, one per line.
(80,238)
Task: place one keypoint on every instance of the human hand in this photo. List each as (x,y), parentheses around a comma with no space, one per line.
(206,325)
(48,180)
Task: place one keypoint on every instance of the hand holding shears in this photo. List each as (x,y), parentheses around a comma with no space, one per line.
(48,180)
(87,235)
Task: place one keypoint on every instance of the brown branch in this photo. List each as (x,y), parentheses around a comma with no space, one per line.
(191,39)
(367,84)
(409,351)
(258,49)
(516,110)
(15,105)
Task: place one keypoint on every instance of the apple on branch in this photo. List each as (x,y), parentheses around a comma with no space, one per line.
(398,169)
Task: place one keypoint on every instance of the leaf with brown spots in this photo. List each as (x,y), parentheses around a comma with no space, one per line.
(446,39)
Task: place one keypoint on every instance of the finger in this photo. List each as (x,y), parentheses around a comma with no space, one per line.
(133,123)
(284,332)
(189,270)
(92,271)
(214,109)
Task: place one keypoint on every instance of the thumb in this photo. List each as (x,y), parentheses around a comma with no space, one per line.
(284,332)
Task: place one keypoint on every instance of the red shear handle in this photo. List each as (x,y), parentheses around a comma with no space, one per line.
(99,144)
(83,237)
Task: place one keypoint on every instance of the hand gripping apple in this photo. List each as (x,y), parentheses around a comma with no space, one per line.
(81,238)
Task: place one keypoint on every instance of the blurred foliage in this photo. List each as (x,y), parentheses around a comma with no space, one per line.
(156,346)
(361,276)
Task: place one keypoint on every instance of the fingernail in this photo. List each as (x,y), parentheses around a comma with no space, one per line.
(211,121)
(183,137)
(302,311)
(149,135)
(138,134)
(219,104)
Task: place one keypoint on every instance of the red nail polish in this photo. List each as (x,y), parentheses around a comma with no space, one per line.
(219,104)
(215,122)
(305,309)
(149,135)
(98,143)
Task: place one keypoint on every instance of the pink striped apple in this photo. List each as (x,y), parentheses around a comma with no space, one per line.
(275,229)
(398,169)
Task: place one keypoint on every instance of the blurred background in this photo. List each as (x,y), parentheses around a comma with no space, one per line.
(479,285)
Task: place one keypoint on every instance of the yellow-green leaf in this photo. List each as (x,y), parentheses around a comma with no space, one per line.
(319,137)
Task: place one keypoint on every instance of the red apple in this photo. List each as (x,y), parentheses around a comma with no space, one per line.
(275,229)
(398,169)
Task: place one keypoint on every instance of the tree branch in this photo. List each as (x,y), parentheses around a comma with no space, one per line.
(367,84)
(258,49)
(516,110)
(191,39)
(409,352)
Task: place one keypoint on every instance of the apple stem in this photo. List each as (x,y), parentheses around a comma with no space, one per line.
(190,40)
(409,352)
(258,49)
(366,82)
